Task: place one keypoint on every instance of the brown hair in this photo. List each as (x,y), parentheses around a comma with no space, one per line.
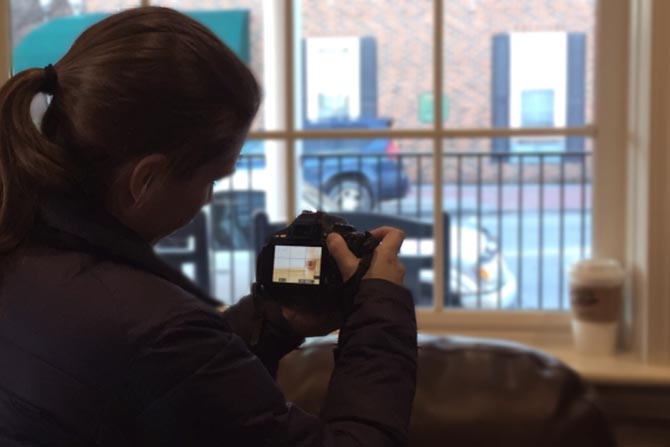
(142,81)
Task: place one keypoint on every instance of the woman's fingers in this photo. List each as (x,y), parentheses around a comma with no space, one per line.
(385,263)
(391,238)
(346,261)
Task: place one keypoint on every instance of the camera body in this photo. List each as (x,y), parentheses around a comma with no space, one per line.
(295,268)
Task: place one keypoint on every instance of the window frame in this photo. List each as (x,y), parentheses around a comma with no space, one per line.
(647,151)
(546,326)
(5,42)
(630,68)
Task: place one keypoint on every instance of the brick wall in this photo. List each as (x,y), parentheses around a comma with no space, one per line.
(403,30)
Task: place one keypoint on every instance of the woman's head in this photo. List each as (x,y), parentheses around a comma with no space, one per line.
(146,102)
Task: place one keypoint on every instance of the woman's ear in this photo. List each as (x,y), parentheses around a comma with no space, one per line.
(146,175)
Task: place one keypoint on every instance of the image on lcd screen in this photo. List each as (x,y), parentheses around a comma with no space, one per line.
(297,265)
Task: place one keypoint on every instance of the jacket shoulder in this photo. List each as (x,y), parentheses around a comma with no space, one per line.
(113,304)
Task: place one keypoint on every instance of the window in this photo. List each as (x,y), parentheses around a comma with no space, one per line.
(351,75)
(511,159)
(332,78)
(537,108)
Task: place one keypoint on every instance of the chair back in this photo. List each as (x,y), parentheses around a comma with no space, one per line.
(189,245)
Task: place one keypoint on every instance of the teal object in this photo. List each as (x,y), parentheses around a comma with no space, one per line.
(47,43)
(426,106)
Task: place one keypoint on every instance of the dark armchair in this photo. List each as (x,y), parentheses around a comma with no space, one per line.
(473,392)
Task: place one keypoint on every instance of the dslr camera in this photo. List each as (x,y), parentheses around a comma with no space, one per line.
(295,268)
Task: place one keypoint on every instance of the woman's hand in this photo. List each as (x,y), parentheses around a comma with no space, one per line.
(306,323)
(385,265)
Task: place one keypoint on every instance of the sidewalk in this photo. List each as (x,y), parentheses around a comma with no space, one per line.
(511,197)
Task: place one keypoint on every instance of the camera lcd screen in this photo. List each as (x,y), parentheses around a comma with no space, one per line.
(297,264)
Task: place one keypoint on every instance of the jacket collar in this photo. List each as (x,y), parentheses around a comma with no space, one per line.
(68,223)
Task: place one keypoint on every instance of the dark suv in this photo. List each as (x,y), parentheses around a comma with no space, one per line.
(358,173)
(355,174)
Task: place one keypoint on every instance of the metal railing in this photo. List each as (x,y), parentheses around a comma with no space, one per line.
(533,207)
(518,220)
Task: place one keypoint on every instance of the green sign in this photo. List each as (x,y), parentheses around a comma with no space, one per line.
(426,108)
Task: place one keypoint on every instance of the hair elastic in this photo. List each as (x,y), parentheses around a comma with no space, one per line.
(50,80)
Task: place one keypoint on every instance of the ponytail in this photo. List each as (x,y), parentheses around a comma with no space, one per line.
(29,162)
(141,81)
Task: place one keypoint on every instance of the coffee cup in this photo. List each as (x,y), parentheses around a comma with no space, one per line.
(596,294)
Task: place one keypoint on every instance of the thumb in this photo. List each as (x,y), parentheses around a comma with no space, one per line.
(346,261)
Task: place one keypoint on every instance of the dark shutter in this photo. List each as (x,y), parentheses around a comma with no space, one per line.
(576,88)
(368,77)
(500,89)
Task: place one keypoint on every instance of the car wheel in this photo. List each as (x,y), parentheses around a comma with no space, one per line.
(350,195)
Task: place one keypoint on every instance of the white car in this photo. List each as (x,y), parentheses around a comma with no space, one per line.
(477,280)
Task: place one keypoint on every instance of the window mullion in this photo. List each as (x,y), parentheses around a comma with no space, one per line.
(609,155)
(289,83)
(5,42)
(483,132)
(275,70)
(438,224)
(648,212)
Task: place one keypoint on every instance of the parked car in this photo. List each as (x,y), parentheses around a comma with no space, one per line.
(355,174)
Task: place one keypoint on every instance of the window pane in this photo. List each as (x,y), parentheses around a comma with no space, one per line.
(371,183)
(533,214)
(497,53)
(362,59)
(537,108)
(236,201)
(38,39)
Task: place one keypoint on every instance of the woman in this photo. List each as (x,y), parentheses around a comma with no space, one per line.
(103,344)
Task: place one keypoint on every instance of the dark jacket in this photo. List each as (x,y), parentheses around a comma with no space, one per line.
(101,343)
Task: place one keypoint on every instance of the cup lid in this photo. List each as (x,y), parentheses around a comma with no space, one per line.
(598,270)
